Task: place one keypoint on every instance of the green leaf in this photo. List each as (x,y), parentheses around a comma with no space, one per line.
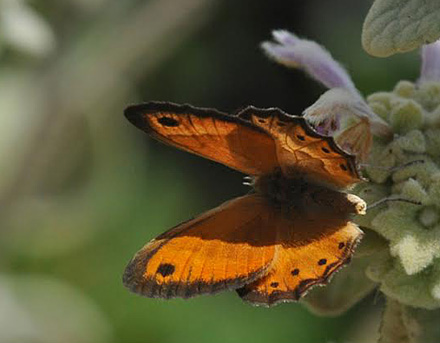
(395,26)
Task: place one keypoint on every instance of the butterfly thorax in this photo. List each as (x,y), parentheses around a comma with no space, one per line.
(281,191)
(300,194)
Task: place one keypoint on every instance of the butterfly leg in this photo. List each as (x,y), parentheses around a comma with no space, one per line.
(248,181)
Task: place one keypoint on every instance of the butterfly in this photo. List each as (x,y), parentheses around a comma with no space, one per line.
(293,231)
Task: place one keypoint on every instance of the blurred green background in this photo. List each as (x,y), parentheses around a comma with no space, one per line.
(81,190)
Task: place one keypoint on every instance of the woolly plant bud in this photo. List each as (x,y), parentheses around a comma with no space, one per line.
(405,169)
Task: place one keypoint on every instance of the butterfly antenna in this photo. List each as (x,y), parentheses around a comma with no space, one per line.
(393,169)
(391,199)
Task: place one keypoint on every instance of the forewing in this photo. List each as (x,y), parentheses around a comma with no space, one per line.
(301,150)
(311,250)
(208,133)
(226,247)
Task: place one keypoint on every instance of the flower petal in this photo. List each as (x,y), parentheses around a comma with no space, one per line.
(357,139)
(430,63)
(295,52)
(337,103)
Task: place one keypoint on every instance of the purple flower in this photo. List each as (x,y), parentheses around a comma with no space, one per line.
(292,51)
(341,111)
(430,63)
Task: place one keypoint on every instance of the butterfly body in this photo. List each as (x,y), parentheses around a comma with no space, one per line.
(292,232)
(297,195)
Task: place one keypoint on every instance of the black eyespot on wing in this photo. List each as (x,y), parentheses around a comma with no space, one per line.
(341,245)
(301,138)
(295,272)
(274,284)
(167,121)
(262,121)
(322,261)
(165,269)
(325,150)
(343,167)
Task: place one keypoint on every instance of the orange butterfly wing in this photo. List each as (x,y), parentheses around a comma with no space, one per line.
(300,263)
(302,151)
(248,245)
(226,247)
(209,133)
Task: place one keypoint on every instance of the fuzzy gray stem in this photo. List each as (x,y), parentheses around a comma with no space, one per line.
(392,328)
(404,324)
